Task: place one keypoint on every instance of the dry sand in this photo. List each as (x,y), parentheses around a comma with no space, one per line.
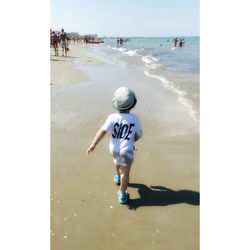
(163,212)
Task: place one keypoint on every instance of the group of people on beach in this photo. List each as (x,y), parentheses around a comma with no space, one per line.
(121,40)
(181,42)
(57,39)
(63,39)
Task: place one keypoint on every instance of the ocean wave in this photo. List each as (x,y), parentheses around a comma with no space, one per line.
(131,52)
(119,49)
(149,59)
(151,62)
(125,51)
(181,95)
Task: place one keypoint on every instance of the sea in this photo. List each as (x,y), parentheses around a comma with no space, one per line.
(176,68)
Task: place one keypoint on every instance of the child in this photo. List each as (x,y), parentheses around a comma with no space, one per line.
(125,130)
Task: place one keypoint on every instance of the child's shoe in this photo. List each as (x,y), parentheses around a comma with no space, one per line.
(123,198)
(117,179)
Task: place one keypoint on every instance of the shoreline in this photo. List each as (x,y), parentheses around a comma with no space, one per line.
(166,163)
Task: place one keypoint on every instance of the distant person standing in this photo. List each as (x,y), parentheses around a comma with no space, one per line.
(118,41)
(63,38)
(175,41)
(183,42)
(121,41)
(51,44)
(54,40)
(180,43)
(68,40)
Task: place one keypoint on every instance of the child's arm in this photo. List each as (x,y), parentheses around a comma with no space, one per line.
(138,133)
(99,135)
(137,137)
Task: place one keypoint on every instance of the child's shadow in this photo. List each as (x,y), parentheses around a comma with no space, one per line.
(161,196)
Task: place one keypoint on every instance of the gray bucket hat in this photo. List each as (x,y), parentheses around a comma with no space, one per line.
(124,99)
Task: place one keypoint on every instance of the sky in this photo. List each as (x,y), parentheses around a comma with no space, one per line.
(149,18)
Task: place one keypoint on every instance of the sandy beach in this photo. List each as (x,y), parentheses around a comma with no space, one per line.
(163,212)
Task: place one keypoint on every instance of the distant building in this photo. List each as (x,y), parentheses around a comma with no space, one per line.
(76,34)
(91,35)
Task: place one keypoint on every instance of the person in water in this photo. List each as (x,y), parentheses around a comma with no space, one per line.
(175,41)
(180,43)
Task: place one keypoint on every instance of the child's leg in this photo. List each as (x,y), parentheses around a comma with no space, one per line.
(117,169)
(124,173)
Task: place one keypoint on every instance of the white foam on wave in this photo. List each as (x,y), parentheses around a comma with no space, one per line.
(124,51)
(119,49)
(127,52)
(154,65)
(149,59)
(131,52)
(150,62)
(180,94)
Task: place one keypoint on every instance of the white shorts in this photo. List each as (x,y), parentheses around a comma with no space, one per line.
(63,43)
(123,158)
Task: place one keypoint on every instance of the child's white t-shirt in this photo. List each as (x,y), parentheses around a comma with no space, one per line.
(123,128)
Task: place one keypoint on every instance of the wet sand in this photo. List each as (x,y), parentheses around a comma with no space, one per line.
(62,70)
(163,212)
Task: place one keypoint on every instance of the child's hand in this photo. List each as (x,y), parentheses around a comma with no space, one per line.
(91,148)
(99,135)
